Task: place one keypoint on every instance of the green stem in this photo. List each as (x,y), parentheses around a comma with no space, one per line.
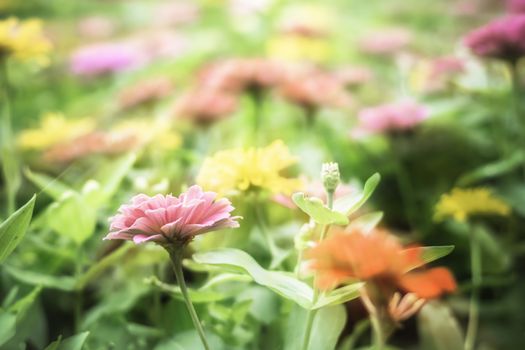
(298,264)
(79,300)
(359,329)
(257,97)
(176,260)
(260,217)
(403,183)
(379,335)
(6,138)
(516,102)
(379,338)
(311,313)
(476,272)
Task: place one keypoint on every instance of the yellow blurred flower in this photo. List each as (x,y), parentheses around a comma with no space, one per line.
(24,40)
(304,33)
(235,170)
(462,203)
(54,129)
(292,47)
(156,134)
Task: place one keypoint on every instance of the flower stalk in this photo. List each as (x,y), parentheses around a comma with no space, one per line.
(311,313)
(6,140)
(176,261)
(519,118)
(476,276)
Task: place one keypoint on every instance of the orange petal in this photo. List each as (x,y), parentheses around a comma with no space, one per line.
(430,283)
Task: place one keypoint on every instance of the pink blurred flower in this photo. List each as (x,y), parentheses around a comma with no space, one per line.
(466,8)
(98,142)
(503,38)
(391,117)
(386,42)
(105,58)
(206,105)
(435,75)
(172,13)
(516,6)
(166,219)
(312,88)
(145,91)
(159,44)
(239,74)
(353,75)
(96,27)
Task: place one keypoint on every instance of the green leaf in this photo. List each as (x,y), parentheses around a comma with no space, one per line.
(350,203)
(72,218)
(7,326)
(10,167)
(339,295)
(22,305)
(65,283)
(197,296)
(428,254)
(367,222)
(319,212)
(328,324)
(110,175)
(280,282)
(190,340)
(101,265)
(13,230)
(225,277)
(52,186)
(491,170)
(116,303)
(265,305)
(75,342)
(438,329)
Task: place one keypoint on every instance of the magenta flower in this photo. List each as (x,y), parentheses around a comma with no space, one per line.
(391,117)
(516,6)
(503,38)
(100,59)
(386,42)
(167,219)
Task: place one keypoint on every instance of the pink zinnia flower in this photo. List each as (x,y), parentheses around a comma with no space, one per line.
(351,76)
(503,38)
(96,27)
(205,105)
(170,220)
(313,88)
(391,117)
(145,91)
(105,58)
(386,42)
(97,142)
(240,74)
(516,6)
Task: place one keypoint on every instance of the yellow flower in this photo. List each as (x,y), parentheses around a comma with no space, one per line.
(245,169)
(157,134)
(462,203)
(54,129)
(296,48)
(24,40)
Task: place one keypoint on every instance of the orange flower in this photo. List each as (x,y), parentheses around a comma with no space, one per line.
(379,259)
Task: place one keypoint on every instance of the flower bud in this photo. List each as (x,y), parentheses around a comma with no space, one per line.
(401,308)
(304,236)
(330,176)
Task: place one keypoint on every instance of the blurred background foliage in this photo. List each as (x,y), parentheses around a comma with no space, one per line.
(60,269)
